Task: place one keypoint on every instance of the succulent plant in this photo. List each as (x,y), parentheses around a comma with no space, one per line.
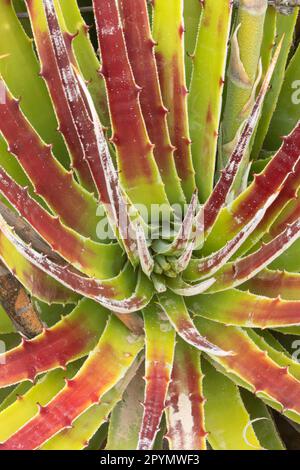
(149,225)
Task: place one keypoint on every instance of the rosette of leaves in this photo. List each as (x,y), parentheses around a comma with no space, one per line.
(147,337)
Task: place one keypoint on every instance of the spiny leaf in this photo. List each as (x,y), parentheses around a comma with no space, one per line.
(275,283)
(90,134)
(77,208)
(265,185)
(289,214)
(29,85)
(234,307)
(105,292)
(205,96)
(27,403)
(160,345)
(284,200)
(83,429)
(267,342)
(168,32)
(237,272)
(71,338)
(254,367)
(50,74)
(118,209)
(88,386)
(210,211)
(91,258)
(207,266)
(86,56)
(140,177)
(39,284)
(139,44)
